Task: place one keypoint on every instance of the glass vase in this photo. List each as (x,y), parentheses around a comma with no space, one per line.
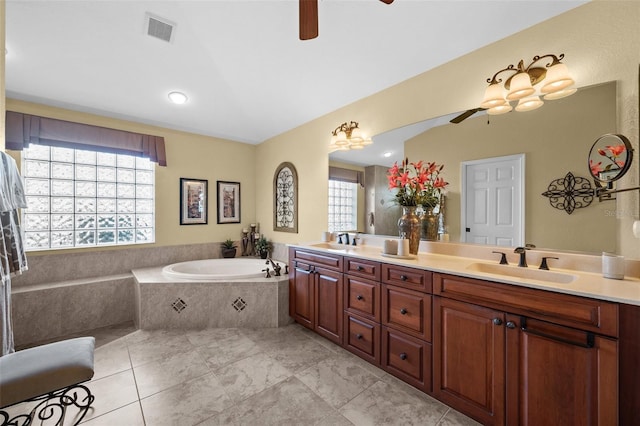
(409,226)
(429,225)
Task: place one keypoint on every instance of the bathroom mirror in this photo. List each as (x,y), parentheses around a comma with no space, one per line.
(551,138)
(610,157)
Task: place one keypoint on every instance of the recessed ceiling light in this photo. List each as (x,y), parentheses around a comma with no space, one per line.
(387,154)
(178,97)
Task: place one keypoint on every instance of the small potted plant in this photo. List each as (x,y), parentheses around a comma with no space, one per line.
(263,247)
(228,248)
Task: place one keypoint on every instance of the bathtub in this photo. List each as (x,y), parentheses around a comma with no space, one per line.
(217,269)
(210,294)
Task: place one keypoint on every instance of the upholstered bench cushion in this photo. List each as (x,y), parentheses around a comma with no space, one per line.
(36,371)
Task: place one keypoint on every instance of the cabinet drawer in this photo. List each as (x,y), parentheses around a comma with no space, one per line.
(574,311)
(407,311)
(317,258)
(415,279)
(362,337)
(362,297)
(407,358)
(362,268)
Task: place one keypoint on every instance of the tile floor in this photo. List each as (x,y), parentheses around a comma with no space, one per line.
(276,376)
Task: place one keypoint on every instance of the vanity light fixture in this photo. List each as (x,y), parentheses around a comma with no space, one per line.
(554,80)
(177,97)
(348,136)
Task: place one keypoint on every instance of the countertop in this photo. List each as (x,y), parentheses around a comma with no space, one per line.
(586,284)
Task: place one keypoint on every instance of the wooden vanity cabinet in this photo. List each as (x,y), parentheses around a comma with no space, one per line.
(502,365)
(315,292)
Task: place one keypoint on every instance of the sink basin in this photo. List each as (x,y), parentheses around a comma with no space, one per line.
(527,273)
(338,248)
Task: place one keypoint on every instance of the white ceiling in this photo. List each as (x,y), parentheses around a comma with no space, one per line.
(247,75)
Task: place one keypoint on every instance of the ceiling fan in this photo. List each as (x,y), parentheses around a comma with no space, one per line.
(309,18)
(468,113)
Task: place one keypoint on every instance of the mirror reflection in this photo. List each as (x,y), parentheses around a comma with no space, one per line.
(552,139)
(610,157)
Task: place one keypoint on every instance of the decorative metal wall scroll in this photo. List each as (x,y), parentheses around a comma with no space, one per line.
(285,191)
(570,193)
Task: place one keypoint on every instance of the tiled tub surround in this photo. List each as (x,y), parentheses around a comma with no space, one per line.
(169,303)
(68,292)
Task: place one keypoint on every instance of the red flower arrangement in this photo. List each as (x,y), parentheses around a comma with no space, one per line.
(611,153)
(417,184)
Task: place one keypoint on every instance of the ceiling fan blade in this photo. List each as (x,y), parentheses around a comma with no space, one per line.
(308,19)
(387,1)
(468,113)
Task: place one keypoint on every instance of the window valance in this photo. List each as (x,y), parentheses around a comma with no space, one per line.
(346,175)
(24,129)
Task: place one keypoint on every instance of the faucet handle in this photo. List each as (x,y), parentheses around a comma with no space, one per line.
(503,258)
(543,264)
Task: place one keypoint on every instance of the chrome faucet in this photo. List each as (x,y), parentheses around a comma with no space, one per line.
(346,235)
(522,251)
(276,266)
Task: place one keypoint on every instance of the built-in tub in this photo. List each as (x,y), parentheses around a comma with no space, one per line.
(217,269)
(211,293)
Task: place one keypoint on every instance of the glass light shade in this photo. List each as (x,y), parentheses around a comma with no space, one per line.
(500,109)
(493,96)
(356,145)
(529,104)
(557,78)
(341,139)
(520,87)
(560,94)
(177,97)
(356,135)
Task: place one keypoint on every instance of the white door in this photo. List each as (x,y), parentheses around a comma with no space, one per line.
(492,201)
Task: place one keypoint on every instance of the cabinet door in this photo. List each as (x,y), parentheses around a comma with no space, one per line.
(468,359)
(559,375)
(301,306)
(328,304)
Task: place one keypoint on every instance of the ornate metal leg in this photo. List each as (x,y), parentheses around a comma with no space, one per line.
(53,407)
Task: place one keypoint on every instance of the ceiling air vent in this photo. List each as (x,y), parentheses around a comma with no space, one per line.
(158,27)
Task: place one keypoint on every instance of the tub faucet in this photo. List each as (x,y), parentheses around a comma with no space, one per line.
(522,251)
(346,235)
(268,275)
(276,266)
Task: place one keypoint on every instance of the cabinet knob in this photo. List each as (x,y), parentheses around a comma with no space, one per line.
(359,336)
(497,321)
(403,277)
(359,297)
(403,311)
(403,356)
(359,268)
(511,324)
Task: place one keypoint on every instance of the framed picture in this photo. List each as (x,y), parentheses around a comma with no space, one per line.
(194,199)
(285,194)
(228,202)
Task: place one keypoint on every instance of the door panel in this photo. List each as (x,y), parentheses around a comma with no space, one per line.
(302,296)
(328,307)
(468,359)
(492,201)
(559,375)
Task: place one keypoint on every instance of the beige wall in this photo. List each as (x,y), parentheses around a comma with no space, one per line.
(190,156)
(555,140)
(599,40)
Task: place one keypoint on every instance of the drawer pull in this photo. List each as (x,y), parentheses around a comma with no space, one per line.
(359,336)
(403,277)
(403,311)
(359,297)
(497,321)
(403,356)
(590,337)
(511,324)
(359,268)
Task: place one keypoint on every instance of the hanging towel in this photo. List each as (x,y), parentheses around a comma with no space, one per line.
(13,259)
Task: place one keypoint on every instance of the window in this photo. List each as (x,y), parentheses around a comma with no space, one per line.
(343,206)
(80,198)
